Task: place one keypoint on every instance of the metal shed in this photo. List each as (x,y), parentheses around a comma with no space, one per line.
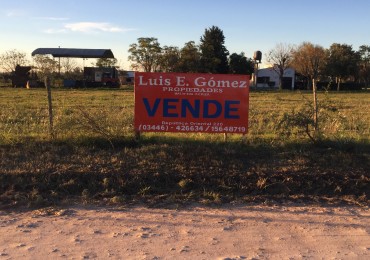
(74,53)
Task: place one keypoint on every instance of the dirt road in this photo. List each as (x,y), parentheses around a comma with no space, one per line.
(228,232)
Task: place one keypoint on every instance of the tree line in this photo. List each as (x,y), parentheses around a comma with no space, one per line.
(44,64)
(337,64)
(210,56)
(311,61)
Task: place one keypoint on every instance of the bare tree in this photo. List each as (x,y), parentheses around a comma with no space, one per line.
(45,65)
(280,57)
(309,60)
(69,65)
(10,59)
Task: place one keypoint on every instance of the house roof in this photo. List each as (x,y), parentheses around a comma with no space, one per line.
(75,53)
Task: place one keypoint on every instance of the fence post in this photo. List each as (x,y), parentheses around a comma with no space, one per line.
(48,88)
(137,135)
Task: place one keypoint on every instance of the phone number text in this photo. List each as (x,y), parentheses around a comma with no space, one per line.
(186,128)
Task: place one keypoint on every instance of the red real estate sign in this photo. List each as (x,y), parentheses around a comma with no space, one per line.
(182,102)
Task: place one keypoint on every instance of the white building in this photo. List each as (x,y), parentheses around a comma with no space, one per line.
(269,78)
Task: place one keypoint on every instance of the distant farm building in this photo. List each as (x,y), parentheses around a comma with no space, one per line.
(269,78)
(24,76)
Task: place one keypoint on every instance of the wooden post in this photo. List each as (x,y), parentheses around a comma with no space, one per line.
(48,88)
(244,137)
(137,135)
(315,108)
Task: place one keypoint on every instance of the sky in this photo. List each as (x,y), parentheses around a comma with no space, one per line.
(247,25)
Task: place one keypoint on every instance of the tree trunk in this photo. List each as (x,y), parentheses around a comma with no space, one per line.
(281,83)
(308,84)
(338,83)
(281,76)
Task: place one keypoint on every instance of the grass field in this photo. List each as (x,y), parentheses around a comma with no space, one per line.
(94,156)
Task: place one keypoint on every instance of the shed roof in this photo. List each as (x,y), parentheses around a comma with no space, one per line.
(75,53)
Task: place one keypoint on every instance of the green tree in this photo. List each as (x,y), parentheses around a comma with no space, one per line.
(342,62)
(364,52)
(146,54)
(239,64)
(280,57)
(170,59)
(106,62)
(309,60)
(213,51)
(10,59)
(189,58)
